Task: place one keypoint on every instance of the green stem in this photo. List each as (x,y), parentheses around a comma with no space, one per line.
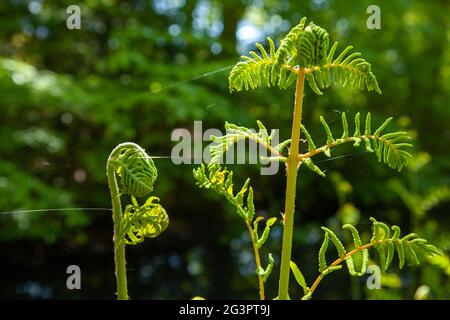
(257,259)
(291,186)
(342,259)
(119,245)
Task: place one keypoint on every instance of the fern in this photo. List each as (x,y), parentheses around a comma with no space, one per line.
(260,71)
(312,46)
(236,133)
(131,171)
(136,171)
(287,50)
(299,277)
(345,70)
(304,55)
(304,48)
(220,180)
(146,221)
(388,147)
(386,241)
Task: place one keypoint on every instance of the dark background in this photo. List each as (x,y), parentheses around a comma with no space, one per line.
(139,69)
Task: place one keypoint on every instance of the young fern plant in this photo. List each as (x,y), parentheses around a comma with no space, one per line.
(302,56)
(220,180)
(131,171)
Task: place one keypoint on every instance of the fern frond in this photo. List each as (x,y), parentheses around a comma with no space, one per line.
(298,275)
(410,248)
(269,223)
(221,181)
(260,70)
(389,147)
(146,221)
(235,133)
(265,273)
(304,48)
(312,46)
(288,46)
(348,69)
(135,170)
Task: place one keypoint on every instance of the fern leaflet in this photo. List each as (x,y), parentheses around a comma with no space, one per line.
(388,147)
(235,133)
(410,248)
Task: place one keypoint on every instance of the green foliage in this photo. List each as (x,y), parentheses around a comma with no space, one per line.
(299,277)
(136,171)
(265,273)
(105,90)
(235,133)
(410,248)
(269,223)
(137,174)
(146,221)
(220,180)
(304,48)
(288,45)
(388,147)
(304,52)
(260,71)
(345,70)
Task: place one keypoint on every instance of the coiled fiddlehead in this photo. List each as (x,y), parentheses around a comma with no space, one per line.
(136,171)
(131,171)
(147,221)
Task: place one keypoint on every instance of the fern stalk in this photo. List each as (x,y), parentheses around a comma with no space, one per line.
(291,186)
(339,260)
(254,239)
(119,245)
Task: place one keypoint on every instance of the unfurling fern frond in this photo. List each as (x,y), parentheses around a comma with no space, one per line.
(220,180)
(345,70)
(287,51)
(388,147)
(410,248)
(131,171)
(312,46)
(146,221)
(303,49)
(235,133)
(256,71)
(136,175)
(135,169)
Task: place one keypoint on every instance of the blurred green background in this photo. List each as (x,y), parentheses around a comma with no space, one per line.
(137,70)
